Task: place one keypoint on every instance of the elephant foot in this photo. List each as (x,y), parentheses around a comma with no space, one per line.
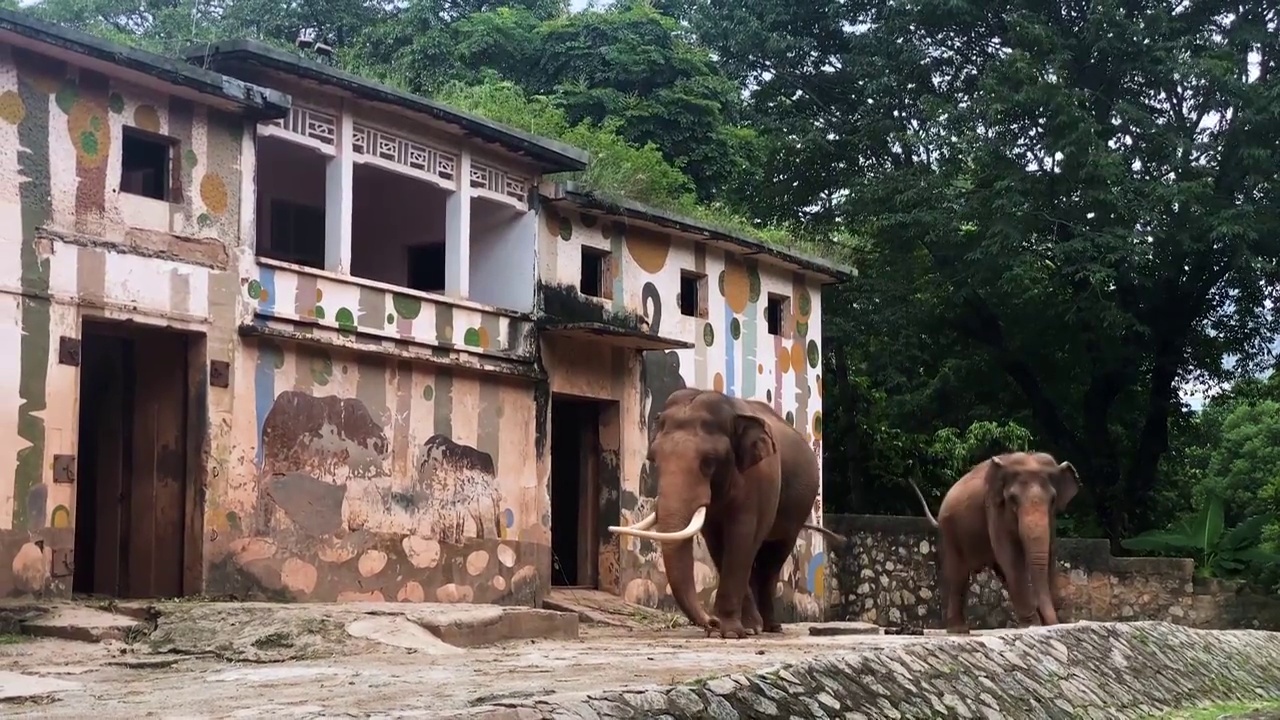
(728,628)
(752,621)
(775,628)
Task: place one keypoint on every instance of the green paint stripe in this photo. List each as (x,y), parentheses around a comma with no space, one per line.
(33,352)
(443,404)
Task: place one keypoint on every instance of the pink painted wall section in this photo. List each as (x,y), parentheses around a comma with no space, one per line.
(72,246)
(732,352)
(361,477)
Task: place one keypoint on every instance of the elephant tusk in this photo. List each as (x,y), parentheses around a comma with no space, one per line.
(646,523)
(695,525)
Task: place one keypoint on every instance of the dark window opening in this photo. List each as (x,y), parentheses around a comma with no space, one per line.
(693,295)
(775,313)
(595,270)
(426,267)
(297,234)
(144,164)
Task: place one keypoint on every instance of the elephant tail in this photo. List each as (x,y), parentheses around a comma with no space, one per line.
(832,536)
(924,503)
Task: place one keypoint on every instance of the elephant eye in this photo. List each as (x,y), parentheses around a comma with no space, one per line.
(708,464)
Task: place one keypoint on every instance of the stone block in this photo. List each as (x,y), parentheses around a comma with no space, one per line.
(84,624)
(486,625)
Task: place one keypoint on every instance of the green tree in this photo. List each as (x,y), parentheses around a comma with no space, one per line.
(616,167)
(1088,193)
(628,64)
(172,25)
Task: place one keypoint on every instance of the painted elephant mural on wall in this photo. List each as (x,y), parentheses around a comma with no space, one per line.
(456,490)
(310,447)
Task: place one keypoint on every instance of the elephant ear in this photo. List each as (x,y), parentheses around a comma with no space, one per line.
(752,441)
(1067,483)
(997,478)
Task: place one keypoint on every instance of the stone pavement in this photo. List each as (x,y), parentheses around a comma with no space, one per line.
(228,660)
(1083,670)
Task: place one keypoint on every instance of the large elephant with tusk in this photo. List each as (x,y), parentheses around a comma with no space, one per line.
(735,471)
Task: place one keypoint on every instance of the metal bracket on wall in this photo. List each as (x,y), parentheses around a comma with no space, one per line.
(219,373)
(63,563)
(64,468)
(69,351)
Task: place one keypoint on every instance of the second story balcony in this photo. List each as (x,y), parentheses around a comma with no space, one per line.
(408,221)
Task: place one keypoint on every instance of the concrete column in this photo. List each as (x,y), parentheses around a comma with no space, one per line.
(339,174)
(457,233)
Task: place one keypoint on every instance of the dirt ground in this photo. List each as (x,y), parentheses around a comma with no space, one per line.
(117,680)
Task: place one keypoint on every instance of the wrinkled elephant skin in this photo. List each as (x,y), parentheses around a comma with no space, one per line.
(757,480)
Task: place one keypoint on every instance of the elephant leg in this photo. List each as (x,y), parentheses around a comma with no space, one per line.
(736,559)
(751,619)
(955,587)
(715,548)
(1011,563)
(764,579)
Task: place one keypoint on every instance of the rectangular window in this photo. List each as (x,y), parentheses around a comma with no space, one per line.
(595,273)
(775,313)
(297,234)
(693,294)
(144,163)
(426,267)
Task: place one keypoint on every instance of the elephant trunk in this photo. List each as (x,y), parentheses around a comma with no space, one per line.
(678,513)
(1037,540)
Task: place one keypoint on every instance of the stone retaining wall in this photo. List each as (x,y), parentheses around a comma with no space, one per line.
(1070,671)
(888,576)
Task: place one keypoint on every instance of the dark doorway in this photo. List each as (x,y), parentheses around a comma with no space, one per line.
(132,482)
(575,489)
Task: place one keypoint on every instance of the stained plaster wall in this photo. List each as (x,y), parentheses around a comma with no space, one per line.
(732,352)
(71,247)
(356,472)
(363,477)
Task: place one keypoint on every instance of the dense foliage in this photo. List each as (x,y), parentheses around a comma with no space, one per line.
(1062,213)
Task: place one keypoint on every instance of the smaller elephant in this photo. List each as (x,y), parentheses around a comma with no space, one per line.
(1003,515)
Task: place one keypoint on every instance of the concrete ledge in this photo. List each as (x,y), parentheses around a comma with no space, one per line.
(1082,670)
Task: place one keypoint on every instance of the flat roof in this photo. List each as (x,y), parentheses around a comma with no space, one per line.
(257,102)
(227,55)
(705,232)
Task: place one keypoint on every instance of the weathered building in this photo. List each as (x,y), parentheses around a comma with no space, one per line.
(373,355)
(121,199)
(619,281)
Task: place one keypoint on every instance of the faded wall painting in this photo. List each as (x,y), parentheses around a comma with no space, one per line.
(357,476)
(733,351)
(73,245)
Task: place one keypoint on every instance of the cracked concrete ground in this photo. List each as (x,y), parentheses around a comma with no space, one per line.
(116,680)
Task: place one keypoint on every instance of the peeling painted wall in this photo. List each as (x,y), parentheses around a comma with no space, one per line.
(363,477)
(732,352)
(73,246)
